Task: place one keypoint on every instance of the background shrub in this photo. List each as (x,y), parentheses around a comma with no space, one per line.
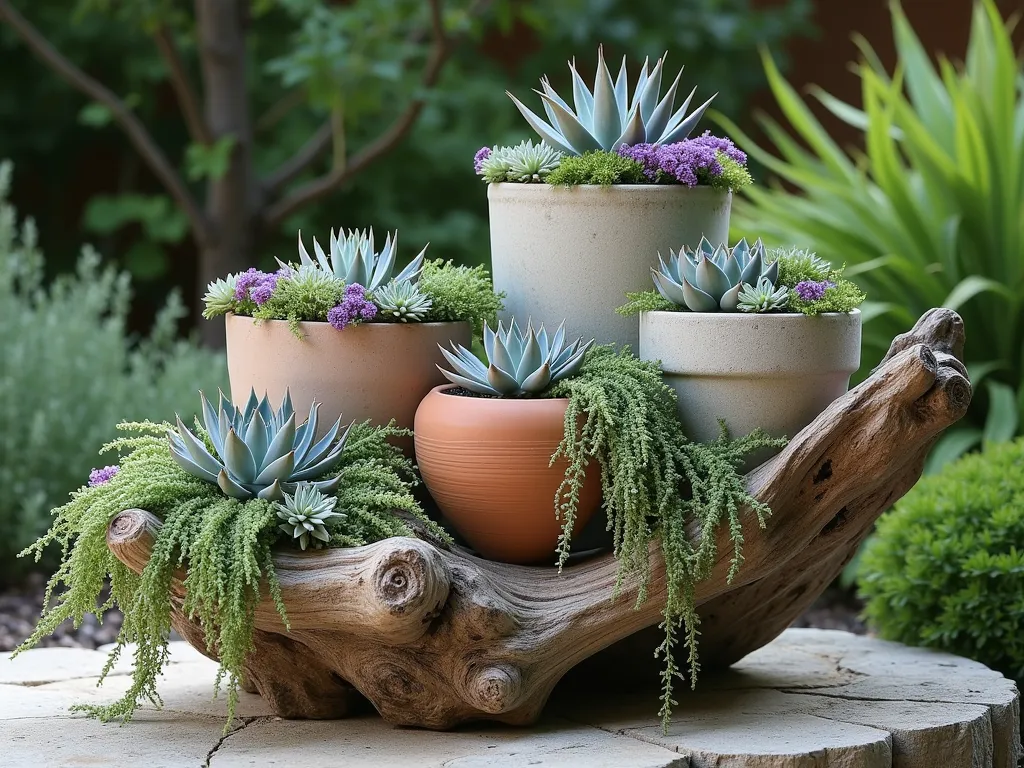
(69,373)
(946,566)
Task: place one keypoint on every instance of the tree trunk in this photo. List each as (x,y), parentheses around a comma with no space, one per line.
(230,199)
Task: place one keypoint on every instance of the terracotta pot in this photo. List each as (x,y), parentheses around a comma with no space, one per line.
(776,372)
(571,253)
(375,371)
(485,462)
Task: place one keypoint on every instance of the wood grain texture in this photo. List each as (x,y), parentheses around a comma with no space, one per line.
(434,637)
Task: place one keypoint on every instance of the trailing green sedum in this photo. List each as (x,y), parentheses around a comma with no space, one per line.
(354,260)
(518,363)
(710,279)
(606,117)
(258,452)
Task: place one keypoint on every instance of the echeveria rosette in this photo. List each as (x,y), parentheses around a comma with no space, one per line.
(402,301)
(258,452)
(518,363)
(606,117)
(304,516)
(710,279)
(220,297)
(524,163)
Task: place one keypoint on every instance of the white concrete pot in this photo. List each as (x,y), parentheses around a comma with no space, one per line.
(377,371)
(572,252)
(776,372)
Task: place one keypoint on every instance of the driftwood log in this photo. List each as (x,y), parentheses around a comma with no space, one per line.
(434,637)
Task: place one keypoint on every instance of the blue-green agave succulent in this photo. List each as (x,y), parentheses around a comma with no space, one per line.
(517,363)
(711,278)
(354,260)
(259,452)
(606,117)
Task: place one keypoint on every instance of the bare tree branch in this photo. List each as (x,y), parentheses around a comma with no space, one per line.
(187,98)
(315,146)
(130,124)
(317,188)
(279,110)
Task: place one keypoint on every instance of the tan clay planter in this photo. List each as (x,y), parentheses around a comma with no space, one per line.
(485,462)
(376,371)
(571,252)
(776,372)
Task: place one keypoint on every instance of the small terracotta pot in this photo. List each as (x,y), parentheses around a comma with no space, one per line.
(485,462)
(376,371)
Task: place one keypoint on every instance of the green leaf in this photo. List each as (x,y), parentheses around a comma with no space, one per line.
(972,286)
(160,219)
(95,115)
(209,162)
(950,447)
(1003,413)
(147,261)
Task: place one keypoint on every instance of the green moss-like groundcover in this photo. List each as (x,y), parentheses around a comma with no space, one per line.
(225,545)
(655,482)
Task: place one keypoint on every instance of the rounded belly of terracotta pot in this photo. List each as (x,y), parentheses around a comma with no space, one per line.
(485,462)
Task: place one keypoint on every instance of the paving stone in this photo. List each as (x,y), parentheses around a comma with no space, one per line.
(811,699)
(370,743)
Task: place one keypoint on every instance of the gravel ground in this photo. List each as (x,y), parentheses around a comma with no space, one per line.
(19,611)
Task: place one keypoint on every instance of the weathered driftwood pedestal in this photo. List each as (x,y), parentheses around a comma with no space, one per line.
(434,637)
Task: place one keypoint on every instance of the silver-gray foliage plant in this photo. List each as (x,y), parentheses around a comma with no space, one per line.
(606,117)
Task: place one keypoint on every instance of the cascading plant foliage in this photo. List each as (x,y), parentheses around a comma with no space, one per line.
(622,415)
(631,429)
(225,546)
(745,278)
(353,283)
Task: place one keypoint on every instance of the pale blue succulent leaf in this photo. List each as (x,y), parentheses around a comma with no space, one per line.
(502,359)
(303,254)
(752,271)
(668,288)
(305,434)
(231,488)
(531,358)
(697,300)
(571,128)
(711,279)
(686,126)
(545,131)
(488,341)
(538,380)
(772,272)
(272,492)
(641,85)
(607,125)
(256,439)
(731,298)
(652,88)
(280,469)
(283,442)
(622,89)
(732,270)
(678,116)
(238,459)
(322,448)
(211,420)
(582,98)
(634,132)
(465,364)
(197,451)
(501,382)
(658,119)
(480,387)
(181,457)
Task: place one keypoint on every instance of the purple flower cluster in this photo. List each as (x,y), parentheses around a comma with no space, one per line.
(684,160)
(256,285)
(478,159)
(353,307)
(103,476)
(812,290)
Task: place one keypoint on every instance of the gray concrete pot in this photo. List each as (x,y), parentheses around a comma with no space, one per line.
(572,252)
(776,372)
